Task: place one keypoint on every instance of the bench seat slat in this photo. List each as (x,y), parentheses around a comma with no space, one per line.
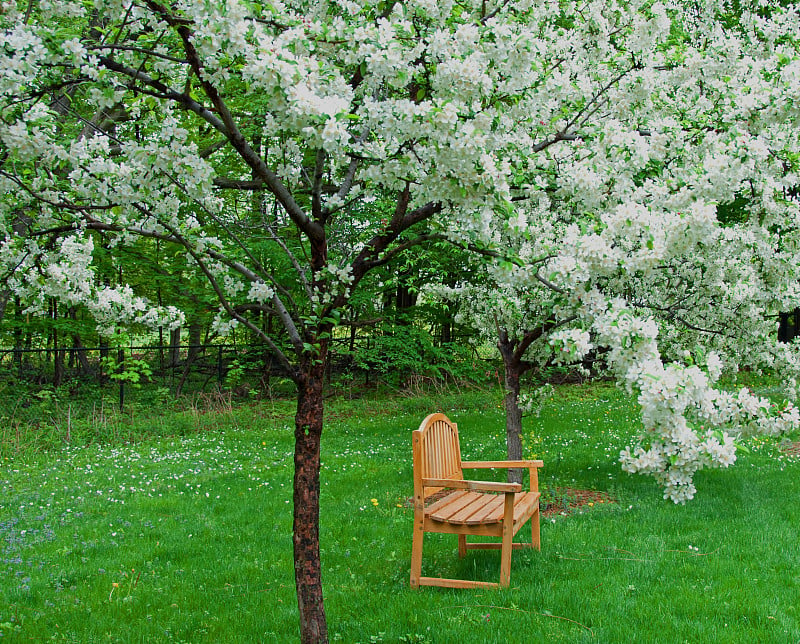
(475,508)
(462,496)
(463,506)
(490,512)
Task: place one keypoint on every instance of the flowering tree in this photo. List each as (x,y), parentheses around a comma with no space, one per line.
(597,135)
(662,335)
(663,235)
(508,308)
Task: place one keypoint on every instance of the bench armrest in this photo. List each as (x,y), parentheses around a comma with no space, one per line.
(477,464)
(478,486)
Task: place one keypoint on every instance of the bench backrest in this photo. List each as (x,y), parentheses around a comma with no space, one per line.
(437,453)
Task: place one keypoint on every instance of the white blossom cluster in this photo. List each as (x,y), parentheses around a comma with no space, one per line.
(260,292)
(336,280)
(570,345)
(687,421)
(67,275)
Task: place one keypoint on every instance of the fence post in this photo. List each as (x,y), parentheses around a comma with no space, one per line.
(120,369)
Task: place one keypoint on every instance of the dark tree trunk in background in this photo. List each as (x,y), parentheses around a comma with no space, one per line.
(195,338)
(174,348)
(78,350)
(789,326)
(404,298)
(18,334)
(447,332)
(80,354)
(512,369)
(58,353)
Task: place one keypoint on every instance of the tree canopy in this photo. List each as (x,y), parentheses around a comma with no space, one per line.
(287,149)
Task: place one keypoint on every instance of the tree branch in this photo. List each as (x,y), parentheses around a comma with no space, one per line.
(239,184)
(310,228)
(226,305)
(316,187)
(184,100)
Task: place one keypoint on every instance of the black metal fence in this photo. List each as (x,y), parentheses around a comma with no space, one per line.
(237,367)
(174,366)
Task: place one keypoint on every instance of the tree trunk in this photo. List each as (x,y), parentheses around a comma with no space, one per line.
(174,348)
(26,357)
(512,369)
(18,334)
(307,565)
(78,350)
(195,338)
(447,331)
(405,300)
(58,353)
(80,355)
(513,423)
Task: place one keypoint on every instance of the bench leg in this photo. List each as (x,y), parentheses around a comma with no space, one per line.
(535,537)
(462,545)
(508,542)
(416,556)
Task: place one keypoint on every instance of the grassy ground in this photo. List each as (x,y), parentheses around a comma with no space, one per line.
(187,538)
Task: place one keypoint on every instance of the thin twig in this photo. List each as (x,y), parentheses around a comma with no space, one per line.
(695,554)
(603,559)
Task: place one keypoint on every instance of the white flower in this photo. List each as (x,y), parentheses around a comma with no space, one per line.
(260,292)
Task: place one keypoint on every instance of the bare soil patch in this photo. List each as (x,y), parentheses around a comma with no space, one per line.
(565,500)
(791,448)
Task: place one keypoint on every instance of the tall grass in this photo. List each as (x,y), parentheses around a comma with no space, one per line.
(185,535)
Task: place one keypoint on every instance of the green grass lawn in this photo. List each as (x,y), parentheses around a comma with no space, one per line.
(187,538)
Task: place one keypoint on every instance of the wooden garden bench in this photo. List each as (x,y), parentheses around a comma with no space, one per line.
(480,508)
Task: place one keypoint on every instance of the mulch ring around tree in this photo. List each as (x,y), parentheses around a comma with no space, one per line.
(566,500)
(793,449)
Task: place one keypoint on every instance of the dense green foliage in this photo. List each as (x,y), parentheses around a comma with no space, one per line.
(176,529)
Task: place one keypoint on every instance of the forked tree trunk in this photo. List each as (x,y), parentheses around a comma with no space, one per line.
(307,566)
(195,338)
(80,354)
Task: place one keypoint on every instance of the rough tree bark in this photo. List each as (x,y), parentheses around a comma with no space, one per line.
(305,530)
(513,368)
(512,350)
(195,338)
